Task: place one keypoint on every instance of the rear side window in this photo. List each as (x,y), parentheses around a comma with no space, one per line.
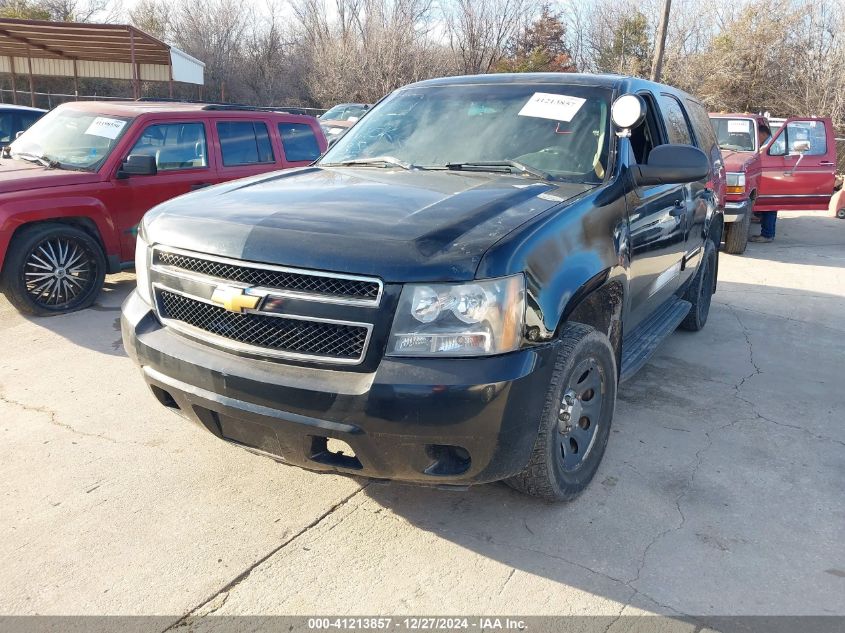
(704,132)
(174,145)
(244,142)
(676,123)
(7,125)
(812,132)
(299,142)
(28,118)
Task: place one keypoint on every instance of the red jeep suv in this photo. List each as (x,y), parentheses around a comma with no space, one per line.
(75,185)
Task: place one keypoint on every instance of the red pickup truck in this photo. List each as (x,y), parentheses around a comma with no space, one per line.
(790,168)
(75,185)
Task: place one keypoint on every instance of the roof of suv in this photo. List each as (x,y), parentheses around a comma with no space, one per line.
(546,78)
(9,106)
(136,108)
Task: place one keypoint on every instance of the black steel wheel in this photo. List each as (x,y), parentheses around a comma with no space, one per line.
(53,269)
(577,414)
(579,417)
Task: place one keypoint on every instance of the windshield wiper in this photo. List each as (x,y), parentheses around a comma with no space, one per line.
(496,165)
(45,161)
(375,161)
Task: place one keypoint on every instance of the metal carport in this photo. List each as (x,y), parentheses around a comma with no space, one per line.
(105,51)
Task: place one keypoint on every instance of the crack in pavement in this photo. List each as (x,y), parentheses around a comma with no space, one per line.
(777,316)
(757,371)
(222,594)
(507,580)
(54,418)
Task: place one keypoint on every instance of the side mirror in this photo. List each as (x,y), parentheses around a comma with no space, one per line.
(673,165)
(801,147)
(138,165)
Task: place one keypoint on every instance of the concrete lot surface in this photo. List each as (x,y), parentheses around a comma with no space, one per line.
(722,491)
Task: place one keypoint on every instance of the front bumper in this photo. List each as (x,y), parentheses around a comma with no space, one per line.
(434,421)
(736,210)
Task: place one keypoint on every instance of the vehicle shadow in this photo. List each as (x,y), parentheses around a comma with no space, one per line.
(686,513)
(98,327)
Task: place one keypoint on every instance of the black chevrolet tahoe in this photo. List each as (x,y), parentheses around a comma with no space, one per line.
(452,293)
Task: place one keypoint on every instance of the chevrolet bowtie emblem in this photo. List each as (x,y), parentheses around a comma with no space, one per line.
(234,299)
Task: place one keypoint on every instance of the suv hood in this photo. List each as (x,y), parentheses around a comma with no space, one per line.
(395,224)
(22,175)
(737,161)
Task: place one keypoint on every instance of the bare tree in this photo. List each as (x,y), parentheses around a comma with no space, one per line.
(479,30)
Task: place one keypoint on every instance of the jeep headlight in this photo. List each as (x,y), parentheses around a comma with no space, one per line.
(735,182)
(142,267)
(477,318)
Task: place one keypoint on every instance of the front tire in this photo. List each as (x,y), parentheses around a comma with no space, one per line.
(53,268)
(577,414)
(736,235)
(840,213)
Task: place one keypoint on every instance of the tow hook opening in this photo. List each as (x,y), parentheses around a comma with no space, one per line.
(164,397)
(448,460)
(333,452)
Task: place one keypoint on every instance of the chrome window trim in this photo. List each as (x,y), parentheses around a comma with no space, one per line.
(227,343)
(261,290)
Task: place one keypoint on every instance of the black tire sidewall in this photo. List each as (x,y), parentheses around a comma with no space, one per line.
(596,346)
(14,285)
(698,314)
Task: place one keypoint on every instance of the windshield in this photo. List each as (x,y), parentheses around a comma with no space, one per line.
(70,139)
(344,113)
(735,134)
(561,130)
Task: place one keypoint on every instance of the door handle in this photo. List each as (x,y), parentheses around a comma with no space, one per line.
(200,185)
(677,209)
(826,163)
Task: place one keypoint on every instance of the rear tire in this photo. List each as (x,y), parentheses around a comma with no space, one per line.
(736,235)
(53,268)
(700,291)
(568,452)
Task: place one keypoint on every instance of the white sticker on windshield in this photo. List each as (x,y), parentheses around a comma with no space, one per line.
(739,126)
(105,127)
(545,105)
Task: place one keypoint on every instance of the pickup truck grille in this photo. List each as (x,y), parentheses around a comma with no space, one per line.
(265,310)
(323,285)
(332,340)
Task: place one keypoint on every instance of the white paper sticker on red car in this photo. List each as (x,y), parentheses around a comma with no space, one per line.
(545,105)
(105,127)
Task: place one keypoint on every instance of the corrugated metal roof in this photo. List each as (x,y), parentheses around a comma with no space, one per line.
(99,50)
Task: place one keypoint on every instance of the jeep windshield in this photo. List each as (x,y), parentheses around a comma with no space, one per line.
(556,131)
(70,139)
(738,135)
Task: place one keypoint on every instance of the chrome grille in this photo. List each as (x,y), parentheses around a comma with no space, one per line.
(326,285)
(294,337)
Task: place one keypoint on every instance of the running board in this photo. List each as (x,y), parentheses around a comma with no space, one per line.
(644,341)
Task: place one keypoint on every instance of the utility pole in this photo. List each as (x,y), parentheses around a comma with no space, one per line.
(657,62)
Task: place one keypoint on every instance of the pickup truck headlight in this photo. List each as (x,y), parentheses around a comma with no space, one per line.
(735,182)
(142,270)
(478,318)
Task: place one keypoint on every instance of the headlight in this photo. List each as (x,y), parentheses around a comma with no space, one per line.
(735,182)
(142,270)
(472,319)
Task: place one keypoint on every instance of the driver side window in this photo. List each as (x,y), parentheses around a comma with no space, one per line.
(810,132)
(645,137)
(175,146)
